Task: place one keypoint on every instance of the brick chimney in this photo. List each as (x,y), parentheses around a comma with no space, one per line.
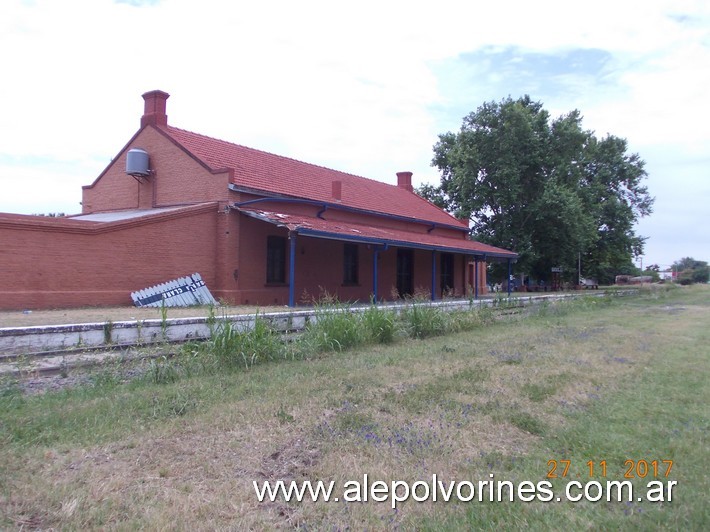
(337,190)
(404,180)
(154,113)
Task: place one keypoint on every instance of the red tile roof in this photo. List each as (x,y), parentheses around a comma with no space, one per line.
(255,169)
(318,227)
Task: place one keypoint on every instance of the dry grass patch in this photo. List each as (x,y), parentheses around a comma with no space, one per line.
(460,407)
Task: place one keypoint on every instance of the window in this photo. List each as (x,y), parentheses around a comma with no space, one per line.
(275,259)
(350,264)
(447,273)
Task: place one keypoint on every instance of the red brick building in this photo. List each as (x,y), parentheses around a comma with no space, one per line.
(259,228)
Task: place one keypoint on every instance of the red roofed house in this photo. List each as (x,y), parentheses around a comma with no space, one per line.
(259,228)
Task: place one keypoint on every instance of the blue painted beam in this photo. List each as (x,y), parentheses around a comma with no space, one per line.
(433,275)
(304,231)
(324,205)
(375,255)
(292,270)
(475,277)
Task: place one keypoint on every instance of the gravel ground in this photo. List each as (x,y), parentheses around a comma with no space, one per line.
(53,383)
(58,373)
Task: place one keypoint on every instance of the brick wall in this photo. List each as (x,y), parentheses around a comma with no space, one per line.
(177,179)
(60,263)
(319,269)
(66,263)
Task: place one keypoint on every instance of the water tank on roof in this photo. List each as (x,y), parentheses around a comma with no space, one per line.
(137,163)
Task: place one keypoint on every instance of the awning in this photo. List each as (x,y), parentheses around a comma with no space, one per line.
(315,227)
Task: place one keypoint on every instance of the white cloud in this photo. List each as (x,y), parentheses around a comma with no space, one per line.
(362,87)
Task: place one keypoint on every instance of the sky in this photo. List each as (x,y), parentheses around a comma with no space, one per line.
(363,87)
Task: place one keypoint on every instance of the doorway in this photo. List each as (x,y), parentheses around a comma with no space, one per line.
(447,274)
(405,272)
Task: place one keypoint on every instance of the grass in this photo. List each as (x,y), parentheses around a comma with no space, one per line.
(600,379)
(334,329)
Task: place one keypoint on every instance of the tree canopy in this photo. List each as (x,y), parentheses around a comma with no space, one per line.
(691,271)
(546,189)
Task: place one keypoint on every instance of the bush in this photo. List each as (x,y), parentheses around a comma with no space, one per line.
(335,328)
(233,348)
(380,325)
(466,320)
(423,320)
(163,371)
(691,271)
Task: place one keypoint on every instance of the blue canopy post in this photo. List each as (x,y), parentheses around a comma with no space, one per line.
(375,256)
(292,270)
(475,277)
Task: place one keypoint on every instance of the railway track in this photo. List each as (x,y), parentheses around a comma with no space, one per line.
(63,361)
(50,363)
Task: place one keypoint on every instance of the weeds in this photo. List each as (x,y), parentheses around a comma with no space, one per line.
(164,320)
(106,377)
(139,331)
(334,329)
(231,348)
(10,388)
(538,392)
(460,321)
(527,422)
(162,370)
(108,332)
(422,320)
(175,404)
(380,324)
(283,416)
(261,343)
(63,368)
(211,319)
(497,403)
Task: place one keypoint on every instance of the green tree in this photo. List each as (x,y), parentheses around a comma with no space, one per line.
(547,189)
(691,271)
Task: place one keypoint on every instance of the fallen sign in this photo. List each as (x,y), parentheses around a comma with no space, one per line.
(182,292)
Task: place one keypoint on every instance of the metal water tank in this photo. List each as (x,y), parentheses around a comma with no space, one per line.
(137,162)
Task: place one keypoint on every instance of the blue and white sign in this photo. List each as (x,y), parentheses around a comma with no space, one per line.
(182,292)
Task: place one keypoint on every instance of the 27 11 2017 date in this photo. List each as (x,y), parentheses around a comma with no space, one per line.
(631,468)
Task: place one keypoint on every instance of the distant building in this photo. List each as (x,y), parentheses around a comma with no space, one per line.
(667,275)
(259,228)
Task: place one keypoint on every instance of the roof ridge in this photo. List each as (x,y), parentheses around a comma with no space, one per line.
(190,140)
(272,154)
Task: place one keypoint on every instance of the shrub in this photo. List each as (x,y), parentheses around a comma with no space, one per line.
(380,325)
(467,320)
(334,329)
(163,371)
(423,320)
(233,348)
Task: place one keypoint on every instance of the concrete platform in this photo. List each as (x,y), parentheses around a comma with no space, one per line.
(32,340)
